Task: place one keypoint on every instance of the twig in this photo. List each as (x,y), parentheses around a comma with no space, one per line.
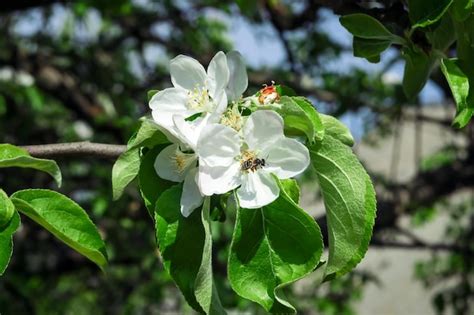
(101,150)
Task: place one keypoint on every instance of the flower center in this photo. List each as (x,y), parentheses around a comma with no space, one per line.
(232,118)
(183,160)
(199,99)
(249,162)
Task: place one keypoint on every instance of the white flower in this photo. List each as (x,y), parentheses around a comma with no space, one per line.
(194,91)
(238,80)
(227,161)
(178,162)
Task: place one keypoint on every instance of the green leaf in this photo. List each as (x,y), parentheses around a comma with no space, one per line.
(459,85)
(365,26)
(301,118)
(417,71)
(349,198)
(124,171)
(272,247)
(205,289)
(7,209)
(336,129)
(12,156)
(443,36)
(148,135)
(151,185)
(65,219)
(151,93)
(127,166)
(423,13)
(6,241)
(370,48)
(462,9)
(291,187)
(181,242)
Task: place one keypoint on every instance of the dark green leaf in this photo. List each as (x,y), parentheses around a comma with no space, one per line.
(272,247)
(151,185)
(443,36)
(459,84)
(7,209)
(301,118)
(336,129)
(65,219)
(12,156)
(365,26)
(462,9)
(349,198)
(370,48)
(423,13)
(418,68)
(181,242)
(6,241)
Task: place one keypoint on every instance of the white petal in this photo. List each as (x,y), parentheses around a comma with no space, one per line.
(218,180)
(262,129)
(238,80)
(217,74)
(187,73)
(165,166)
(287,158)
(191,197)
(218,145)
(258,189)
(169,100)
(189,131)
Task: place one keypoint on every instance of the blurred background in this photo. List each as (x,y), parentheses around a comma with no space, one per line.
(79,70)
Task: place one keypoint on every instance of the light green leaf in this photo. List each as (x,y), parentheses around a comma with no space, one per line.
(151,185)
(12,156)
(335,128)
(7,209)
(124,171)
(365,26)
(206,292)
(6,241)
(459,84)
(127,166)
(272,247)
(423,13)
(150,94)
(65,219)
(349,198)
(291,187)
(301,118)
(181,242)
(148,135)
(418,68)
(461,9)
(370,48)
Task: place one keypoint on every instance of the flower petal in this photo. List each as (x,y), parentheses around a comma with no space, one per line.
(287,158)
(217,74)
(218,180)
(258,189)
(218,145)
(166,166)
(238,80)
(169,100)
(187,73)
(191,197)
(188,131)
(262,129)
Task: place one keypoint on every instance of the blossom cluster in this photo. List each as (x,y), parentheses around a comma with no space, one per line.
(223,141)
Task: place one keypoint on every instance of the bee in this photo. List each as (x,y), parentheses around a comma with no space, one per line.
(253,165)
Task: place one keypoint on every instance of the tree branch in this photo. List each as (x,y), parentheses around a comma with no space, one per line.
(101,150)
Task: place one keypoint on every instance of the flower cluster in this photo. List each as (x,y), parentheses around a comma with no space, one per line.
(221,140)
